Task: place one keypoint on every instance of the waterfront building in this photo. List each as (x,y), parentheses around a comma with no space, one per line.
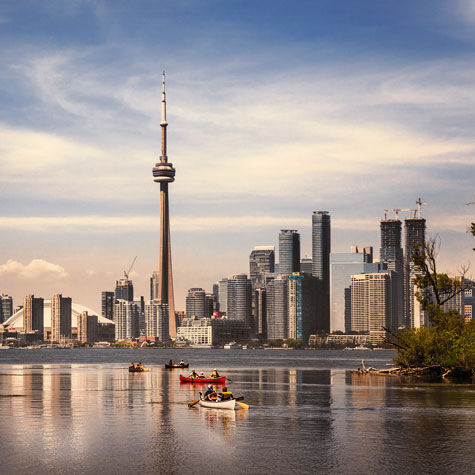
(213,331)
(164,173)
(261,263)
(6,307)
(223,295)
(371,304)
(156,320)
(302,306)
(87,328)
(61,328)
(126,318)
(391,254)
(414,234)
(124,290)
(289,251)
(107,304)
(342,266)
(306,264)
(154,285)
(33,314)
(277,292)
(196,303)
(321,248)
(239,298)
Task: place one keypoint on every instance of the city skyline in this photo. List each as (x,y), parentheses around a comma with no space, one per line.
(370,125)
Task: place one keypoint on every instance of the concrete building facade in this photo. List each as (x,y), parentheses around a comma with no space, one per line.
(61,318)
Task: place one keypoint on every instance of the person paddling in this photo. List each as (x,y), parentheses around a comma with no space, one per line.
(215,373)
(209,392)
(193,374)
(182,363)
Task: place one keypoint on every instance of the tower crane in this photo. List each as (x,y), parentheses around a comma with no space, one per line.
(419,204)
(126,273)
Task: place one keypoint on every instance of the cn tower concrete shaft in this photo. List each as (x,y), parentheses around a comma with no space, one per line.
(164,173)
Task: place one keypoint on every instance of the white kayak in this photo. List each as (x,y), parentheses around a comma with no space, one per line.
(228,404)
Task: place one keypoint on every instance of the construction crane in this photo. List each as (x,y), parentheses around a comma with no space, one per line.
(419,204)
(126,273)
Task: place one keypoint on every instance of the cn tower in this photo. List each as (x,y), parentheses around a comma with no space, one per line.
(164,173)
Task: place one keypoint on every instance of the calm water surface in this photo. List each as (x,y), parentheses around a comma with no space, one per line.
(80,411)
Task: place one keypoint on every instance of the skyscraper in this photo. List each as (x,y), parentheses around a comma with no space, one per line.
(164,173)
(156,320)
(87,327)
(391,254)
(261,262)
(277,293)
(154,285)
(239,298)
(107,303)
(321,248)
(124,290)
(196,303)
(223,295)
(289,251)
(6,307)
(260,312)
(61,308)
(414,234)
(126,318)
(33,310)
(306,265)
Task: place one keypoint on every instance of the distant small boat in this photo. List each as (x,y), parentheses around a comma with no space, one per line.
(227,404)
(172,366)
(232,346)
(184,379)
(134,369)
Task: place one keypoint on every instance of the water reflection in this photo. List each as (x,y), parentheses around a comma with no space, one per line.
(93,418)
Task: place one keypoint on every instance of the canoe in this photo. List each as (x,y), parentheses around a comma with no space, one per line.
(228,404)
(141,370)
(172,366)
(184,379)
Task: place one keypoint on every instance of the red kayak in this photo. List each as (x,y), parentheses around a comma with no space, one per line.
(184,379)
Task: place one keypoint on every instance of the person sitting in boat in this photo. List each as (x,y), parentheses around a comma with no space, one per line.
(209,392)
(170,363)
(226,394)
(202,375)
(131,366)
(182,363)
(193,374)
(215,373)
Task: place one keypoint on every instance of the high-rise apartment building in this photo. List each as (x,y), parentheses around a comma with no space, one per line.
(414,234)
(391,254)
(306,265)
(342,266)
(216,297)
(277,292)
(239,298)
(223,295)
(154,285)
(156,320)
(261,263)
(321,248)
(6,307)
(33,313)
(302,306)
(124,290)
(371,304)
(196,303)
(164,173)
(260,310)
(210,305)
(107,304)
(61,308)
(289,251)
(127,320)
(87,327)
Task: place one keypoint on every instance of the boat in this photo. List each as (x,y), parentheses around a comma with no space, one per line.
(172,366)
(138,370)
(184,379)
(226,404)
(232,346)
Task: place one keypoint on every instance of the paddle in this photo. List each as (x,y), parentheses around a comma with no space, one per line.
(242,405)
(192,403)
(230,380)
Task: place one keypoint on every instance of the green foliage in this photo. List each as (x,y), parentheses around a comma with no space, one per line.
(292,343)
(449,343)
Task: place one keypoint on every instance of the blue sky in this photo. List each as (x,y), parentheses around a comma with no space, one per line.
(275,108)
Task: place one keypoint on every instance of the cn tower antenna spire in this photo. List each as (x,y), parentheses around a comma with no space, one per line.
(164,123)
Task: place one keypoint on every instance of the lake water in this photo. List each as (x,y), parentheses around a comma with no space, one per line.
(80,411)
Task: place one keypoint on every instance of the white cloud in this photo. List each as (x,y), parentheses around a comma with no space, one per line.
(37,268)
